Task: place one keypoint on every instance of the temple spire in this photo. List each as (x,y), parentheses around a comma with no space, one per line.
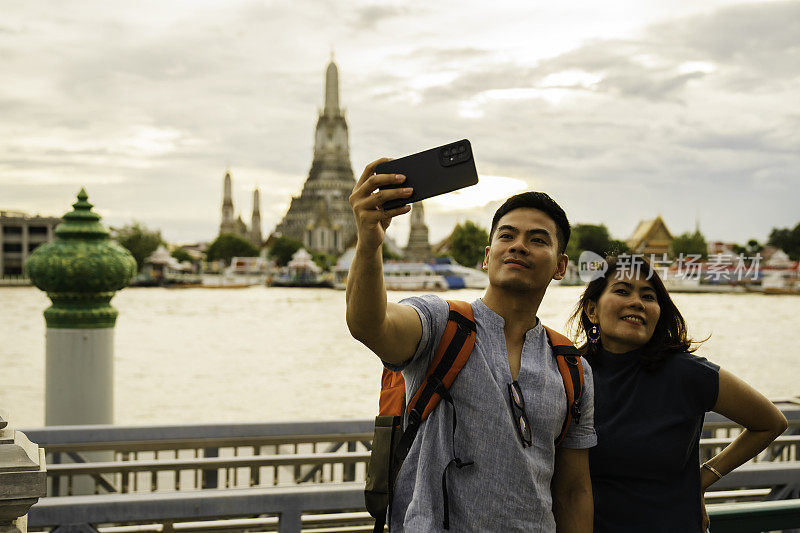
(255,225)
(418,247)
(226,226)
(332,89)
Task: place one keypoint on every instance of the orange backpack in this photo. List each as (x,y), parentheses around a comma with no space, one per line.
(391,442)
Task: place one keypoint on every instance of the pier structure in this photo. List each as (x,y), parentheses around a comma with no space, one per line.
(80,270)
(23,478)
(309,476)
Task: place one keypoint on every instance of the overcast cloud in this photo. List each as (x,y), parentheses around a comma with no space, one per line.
(620,111)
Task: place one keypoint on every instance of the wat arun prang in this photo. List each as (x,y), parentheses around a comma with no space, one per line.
(321,217)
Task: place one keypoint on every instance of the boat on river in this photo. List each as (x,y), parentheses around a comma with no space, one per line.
(302,271)
(413,277)
(460,277)
(445,274)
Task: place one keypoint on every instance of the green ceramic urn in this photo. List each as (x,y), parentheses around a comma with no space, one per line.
(81,270)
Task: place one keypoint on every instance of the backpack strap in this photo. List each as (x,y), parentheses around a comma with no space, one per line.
(570,367)
(450,357)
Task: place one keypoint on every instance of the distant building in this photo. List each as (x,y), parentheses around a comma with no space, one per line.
(418,247)
(721,248)
(321,217)
(21,234)
(160,263)
(650,237)
(776,258)
(237,226)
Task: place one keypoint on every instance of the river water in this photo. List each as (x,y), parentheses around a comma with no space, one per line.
(269,354)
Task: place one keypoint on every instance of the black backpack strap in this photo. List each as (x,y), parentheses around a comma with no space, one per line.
(573,360)
(568,360)
(456,460)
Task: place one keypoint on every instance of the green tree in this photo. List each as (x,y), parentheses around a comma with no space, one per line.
(594,238)
(750,249)
(323,260)
(616,247)
(689,244)
(787,240)
(282,249)
(228,246)
(387,254)
(140,241)
(182,255)
(467,243)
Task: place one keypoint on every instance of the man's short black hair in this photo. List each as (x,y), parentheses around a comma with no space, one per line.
(542,202)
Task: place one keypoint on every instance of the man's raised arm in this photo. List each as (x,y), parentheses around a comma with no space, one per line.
(390,330)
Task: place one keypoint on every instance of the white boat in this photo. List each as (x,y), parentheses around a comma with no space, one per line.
(780,282)
(242,272)
(460,277)
(412,277)
(408,276)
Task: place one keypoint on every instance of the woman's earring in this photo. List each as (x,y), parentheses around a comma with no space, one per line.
(593,334)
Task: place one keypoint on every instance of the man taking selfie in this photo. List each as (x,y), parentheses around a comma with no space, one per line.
(518,479)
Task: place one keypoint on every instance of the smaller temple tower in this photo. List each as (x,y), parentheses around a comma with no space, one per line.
(237,226)
(255,223)
(227,225)
(418,247)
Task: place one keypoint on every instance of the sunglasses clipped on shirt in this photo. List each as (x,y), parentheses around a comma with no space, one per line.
(518,413)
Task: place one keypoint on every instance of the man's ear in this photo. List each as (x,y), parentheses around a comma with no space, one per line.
(486,258)
(590,308)
(561,266)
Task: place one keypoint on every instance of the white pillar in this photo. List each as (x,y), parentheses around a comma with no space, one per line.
(79,376)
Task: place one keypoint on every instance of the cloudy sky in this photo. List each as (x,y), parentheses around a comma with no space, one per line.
(621,109)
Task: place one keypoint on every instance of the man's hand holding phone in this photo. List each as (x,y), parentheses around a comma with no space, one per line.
(367,199)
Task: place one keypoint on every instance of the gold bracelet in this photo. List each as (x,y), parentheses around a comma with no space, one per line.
(712,469)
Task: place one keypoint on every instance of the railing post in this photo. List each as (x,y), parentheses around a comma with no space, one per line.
(55,481)
(210,476)
(290,521)
(255,471)
(349,473)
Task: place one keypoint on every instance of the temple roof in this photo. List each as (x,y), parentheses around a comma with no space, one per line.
(649,230)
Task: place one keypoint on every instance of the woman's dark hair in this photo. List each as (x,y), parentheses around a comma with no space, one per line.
(670,335)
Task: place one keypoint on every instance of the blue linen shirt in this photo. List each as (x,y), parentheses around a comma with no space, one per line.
(508,487)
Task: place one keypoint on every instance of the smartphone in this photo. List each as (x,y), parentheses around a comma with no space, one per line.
(432,172)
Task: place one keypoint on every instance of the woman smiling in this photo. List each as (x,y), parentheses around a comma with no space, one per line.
(651,395)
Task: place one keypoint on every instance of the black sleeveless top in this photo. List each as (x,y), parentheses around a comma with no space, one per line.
(645,467)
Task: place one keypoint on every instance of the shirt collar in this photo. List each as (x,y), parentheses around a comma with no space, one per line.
(489,316)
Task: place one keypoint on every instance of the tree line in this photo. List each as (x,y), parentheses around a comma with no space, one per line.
(466,245)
